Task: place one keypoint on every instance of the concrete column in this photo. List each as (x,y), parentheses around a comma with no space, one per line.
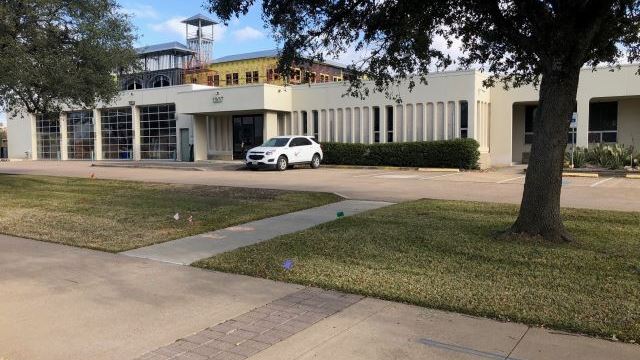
(34,137)
(64,138)
(473,120)
(582,130)
(270,128)
(199,137)
(97,135)
(135,118)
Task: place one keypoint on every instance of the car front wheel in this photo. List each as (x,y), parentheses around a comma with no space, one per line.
(282,163)
(315,161)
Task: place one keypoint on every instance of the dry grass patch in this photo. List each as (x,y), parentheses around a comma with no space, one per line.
(121,215)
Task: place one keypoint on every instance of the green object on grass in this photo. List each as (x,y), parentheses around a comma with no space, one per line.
(340,214)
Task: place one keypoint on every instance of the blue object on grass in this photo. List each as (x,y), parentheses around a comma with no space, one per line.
(287,264)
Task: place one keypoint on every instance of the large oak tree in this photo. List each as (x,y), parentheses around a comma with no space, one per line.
(62,53)
(540,42)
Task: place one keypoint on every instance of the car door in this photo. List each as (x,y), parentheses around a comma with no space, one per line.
(306,150)
(293,152)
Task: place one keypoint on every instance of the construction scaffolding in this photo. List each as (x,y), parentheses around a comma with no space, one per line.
(199,35)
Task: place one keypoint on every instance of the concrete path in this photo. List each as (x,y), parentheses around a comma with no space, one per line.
(65,303)
(187,250)
(501,185)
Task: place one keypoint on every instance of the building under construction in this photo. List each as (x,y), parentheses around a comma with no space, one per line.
(174,63)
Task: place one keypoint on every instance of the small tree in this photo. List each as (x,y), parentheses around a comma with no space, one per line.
(57,53)
(540,42)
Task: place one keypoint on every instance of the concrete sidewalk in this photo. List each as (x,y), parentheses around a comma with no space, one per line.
(187,250)
(65,303)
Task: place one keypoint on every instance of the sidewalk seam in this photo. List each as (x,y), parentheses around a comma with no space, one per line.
(517,343)
(342,331)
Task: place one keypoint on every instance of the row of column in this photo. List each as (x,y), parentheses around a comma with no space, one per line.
(411,122)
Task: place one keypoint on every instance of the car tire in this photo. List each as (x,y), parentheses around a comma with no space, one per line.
(315,161)
(282,164)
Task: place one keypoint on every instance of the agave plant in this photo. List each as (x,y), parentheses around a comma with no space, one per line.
(580,157)
(610,156)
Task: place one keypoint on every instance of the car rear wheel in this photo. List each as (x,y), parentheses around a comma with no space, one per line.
(315,161)
(282,163)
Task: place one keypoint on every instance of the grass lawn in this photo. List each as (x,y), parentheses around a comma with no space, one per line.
(440,254)
(121,215)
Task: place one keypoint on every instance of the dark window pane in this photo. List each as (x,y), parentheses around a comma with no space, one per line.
(609,137)
(603,116)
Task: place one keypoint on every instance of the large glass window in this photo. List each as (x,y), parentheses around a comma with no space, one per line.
(464,119)
(158,132)
(160,81)
(117,134)
(389,123)
(80,135)
(305,123)
(376,124)
(48,138)
(529,114)
(316,124)
(603,122)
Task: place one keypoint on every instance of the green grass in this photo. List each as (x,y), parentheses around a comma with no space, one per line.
(441,254)
(121,215)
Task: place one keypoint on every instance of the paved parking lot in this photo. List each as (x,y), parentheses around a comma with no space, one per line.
(501,185)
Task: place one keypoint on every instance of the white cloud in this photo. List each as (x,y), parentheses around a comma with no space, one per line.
(141,11)
(174,27)
(248,33)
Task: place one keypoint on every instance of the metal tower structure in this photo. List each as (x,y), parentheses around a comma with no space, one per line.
(199,33)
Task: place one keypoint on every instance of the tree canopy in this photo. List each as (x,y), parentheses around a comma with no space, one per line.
(514,41)
(517,42)
(58,53)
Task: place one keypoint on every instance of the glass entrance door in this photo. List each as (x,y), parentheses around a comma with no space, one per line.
(247,133)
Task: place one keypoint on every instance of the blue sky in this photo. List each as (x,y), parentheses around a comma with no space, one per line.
(158,21)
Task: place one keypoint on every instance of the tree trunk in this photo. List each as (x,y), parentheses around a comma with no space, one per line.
(540,208)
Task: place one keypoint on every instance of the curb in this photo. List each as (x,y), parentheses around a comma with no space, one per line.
(439,169)
(575,174)
(633,176)
(397,168)
(184,168)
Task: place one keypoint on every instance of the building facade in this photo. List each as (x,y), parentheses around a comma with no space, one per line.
(201,122)
(185,106)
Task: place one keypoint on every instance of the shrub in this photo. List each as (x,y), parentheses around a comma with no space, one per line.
(456,153)
(610,156)
(580,157)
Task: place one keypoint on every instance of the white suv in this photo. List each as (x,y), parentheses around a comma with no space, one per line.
(282,151)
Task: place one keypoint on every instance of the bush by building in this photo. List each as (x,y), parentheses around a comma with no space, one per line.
(611,157)
(456,153)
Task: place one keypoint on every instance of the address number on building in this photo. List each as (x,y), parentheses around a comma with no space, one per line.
(217,99)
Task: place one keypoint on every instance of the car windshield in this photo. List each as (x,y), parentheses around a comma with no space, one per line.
(276,142)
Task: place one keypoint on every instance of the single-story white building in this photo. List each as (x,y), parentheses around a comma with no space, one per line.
(202,122)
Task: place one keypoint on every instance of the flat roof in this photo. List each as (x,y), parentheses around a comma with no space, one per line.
(264,54)
(199,19)
(174,46)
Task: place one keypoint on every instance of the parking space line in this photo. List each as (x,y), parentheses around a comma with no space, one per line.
(600,182)
(507,180)
(439,176)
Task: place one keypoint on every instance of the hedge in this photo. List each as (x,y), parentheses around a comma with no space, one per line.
(456,153)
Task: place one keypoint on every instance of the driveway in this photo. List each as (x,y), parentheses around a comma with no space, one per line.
(59,302)
(503,185)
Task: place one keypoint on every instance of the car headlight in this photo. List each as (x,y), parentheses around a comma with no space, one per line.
(270,152)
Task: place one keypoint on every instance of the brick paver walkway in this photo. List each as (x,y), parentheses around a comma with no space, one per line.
(258,329)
